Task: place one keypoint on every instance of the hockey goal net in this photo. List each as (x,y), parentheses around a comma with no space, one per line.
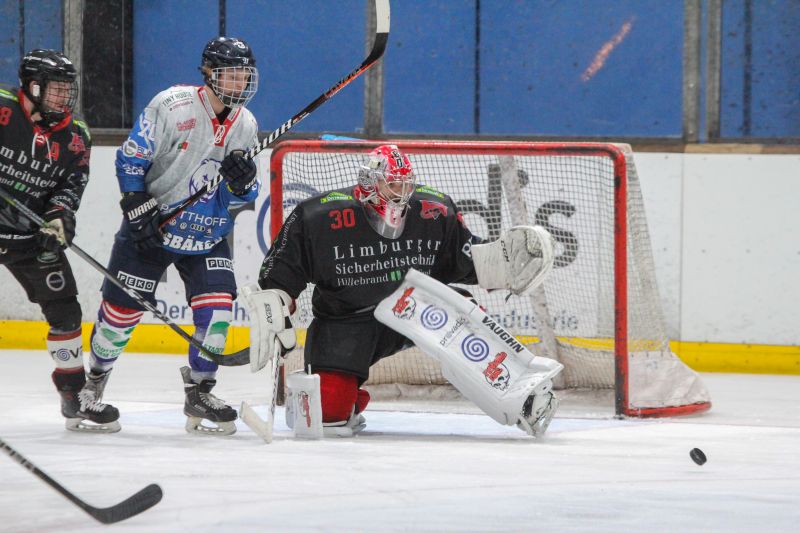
(598,313)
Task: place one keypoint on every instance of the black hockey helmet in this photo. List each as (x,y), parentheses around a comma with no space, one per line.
(224,53)
(228,52)
(43,67)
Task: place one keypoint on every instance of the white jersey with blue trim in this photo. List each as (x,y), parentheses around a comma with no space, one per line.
(175,147)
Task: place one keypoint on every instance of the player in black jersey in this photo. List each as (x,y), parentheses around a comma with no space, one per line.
(44,165)
(355,245)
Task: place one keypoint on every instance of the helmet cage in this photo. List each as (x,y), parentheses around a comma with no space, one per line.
(224,82)
(58,99)
(53,101)
(224,59)
(386,182)
(379,177)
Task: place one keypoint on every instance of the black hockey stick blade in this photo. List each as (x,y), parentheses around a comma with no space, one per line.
(383,22)
(240,358)
(139,502)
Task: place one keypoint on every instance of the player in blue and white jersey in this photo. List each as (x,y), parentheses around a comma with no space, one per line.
(183,138)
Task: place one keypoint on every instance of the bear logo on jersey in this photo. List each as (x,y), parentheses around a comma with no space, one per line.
(205,171)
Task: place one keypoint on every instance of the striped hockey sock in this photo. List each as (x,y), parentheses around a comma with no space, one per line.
(111,334)
(212,314)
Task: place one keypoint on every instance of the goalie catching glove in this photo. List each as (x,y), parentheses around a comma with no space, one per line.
(519,260)
(271,331)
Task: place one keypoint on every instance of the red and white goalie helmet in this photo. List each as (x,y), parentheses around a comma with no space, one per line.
(385,185)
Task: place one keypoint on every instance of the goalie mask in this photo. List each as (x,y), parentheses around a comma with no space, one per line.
(385,184)
(229,69)
(49,80)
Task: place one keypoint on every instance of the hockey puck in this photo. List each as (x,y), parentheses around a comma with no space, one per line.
(698,456)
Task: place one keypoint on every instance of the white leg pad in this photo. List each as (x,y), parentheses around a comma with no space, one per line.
(304,405)
(480,358)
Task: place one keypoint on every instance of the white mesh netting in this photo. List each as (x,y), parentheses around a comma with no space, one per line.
(568,190)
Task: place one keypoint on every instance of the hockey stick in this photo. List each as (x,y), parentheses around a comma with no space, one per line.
(263,428)
(379,45)
(139,502)
(242,357)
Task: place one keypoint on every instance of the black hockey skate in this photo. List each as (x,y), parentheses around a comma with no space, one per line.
(94,415)
(68,386)
(202,405)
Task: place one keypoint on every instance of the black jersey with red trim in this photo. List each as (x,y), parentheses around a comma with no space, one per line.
(327,241)
(41,168)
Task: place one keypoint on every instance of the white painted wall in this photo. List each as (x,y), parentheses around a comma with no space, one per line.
(725,231)
(726,240)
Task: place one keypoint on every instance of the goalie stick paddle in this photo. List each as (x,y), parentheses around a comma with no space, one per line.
(263,428)
(242,357)
(382,13)
(139,502)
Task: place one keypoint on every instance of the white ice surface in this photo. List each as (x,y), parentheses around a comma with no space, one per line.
(408,471)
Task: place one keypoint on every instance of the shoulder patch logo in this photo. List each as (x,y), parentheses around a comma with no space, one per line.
(429,190)
(76,145)
(432,209)
(335,196)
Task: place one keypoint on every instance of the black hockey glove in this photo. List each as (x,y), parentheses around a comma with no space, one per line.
(141,212)
(60,229)
(239,172)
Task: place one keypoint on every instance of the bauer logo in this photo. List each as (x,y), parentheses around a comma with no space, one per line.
(135,282)
(433,317)
(405,305)
(219,263)
(474,348)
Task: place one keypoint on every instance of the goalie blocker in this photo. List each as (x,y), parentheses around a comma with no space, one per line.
(478,357)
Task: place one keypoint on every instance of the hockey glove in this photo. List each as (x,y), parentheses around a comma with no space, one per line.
(141,212)
(59,231)
(239,172)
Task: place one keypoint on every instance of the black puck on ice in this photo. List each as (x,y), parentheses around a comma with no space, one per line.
(698,456)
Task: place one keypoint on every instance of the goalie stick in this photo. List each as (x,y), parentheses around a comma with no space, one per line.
(263,428)
(139,502)
(382,14)
(242,357)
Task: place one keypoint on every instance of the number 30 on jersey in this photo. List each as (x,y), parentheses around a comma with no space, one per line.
(342,218)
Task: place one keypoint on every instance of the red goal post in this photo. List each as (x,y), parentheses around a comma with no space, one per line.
(599,313)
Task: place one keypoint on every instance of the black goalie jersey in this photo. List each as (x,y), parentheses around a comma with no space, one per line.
(328,241)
